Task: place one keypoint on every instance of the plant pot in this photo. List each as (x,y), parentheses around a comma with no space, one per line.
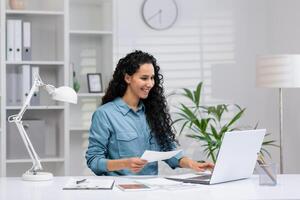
(17,4)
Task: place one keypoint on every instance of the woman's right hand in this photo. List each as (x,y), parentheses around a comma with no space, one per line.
(135,164)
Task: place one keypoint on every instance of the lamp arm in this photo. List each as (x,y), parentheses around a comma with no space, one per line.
(17,119)
(36,164)
(37,83)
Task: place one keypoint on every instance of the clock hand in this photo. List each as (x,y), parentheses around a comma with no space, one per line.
(157,13)
(160,11)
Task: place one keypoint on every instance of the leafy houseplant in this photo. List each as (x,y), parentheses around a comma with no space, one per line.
(207,123)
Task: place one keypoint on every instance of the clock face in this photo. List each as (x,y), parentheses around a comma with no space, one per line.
(159,14)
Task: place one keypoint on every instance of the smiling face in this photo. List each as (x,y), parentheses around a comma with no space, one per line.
(140,83)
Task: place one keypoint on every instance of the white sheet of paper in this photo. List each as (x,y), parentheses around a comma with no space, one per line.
(152,156)
(162,183)
(159,182)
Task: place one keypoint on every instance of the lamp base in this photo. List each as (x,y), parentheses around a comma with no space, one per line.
(38,176)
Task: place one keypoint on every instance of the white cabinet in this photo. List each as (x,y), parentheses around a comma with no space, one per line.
(91,42)
(66,36)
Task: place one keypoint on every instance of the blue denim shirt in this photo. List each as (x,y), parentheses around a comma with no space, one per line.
(119,132)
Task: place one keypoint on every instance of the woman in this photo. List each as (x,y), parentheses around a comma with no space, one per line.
(133,118)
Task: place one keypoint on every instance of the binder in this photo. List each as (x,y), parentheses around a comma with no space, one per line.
(10,25)
(35,100)
(26,53)
(11,86)
(19,90)
(26,81)
(18,40)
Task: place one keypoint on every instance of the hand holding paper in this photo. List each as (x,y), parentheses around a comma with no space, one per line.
(152,156)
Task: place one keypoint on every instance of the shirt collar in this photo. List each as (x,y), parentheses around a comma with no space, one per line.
(124,108)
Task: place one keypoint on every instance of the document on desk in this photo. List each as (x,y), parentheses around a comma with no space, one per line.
(159,182)
(152,156)
(89,184)
(162,183)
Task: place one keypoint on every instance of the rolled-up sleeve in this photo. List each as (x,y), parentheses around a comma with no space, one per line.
(174,161)
(99,134)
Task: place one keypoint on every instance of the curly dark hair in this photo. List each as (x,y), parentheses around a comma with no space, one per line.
(156,109)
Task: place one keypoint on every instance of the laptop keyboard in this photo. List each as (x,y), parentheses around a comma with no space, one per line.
(202,177)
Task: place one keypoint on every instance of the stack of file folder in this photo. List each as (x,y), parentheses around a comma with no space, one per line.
(18,46)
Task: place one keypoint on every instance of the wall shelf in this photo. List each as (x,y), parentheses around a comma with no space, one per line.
(34,12)
(90,32)
(29,160)
(90,94)
(79,129)
(36,107)
(35,63)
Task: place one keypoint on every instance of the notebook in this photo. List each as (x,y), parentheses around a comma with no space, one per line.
(89,184)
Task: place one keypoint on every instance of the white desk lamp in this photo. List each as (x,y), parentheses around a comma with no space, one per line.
(65,94)
(278,71)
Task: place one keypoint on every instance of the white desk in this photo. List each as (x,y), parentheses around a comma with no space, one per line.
(288,187)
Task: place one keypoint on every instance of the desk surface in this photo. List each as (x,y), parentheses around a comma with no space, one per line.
(288,187)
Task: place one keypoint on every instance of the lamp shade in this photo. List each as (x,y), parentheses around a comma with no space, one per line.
(278,71)
(65,94)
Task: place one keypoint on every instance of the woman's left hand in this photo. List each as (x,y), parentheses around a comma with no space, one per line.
(199,167)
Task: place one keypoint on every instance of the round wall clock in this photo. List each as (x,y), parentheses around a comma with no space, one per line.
(159,14)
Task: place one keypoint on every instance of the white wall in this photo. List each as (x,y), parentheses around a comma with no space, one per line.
(283,32)
(217,42)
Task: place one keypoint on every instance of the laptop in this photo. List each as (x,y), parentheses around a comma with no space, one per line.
(236,158)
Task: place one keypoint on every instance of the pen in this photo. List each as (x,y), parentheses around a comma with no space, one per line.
(80,181)
(269,174)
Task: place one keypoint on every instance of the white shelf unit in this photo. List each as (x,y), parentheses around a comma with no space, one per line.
(91,51)
(2,109)
(49,39)
(63,32)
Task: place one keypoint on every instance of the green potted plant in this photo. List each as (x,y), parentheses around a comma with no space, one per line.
(207,124)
